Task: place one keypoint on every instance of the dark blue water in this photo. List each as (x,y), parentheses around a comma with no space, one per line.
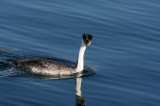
(125,51)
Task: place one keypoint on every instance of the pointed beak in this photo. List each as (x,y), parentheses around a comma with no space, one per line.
(87,42)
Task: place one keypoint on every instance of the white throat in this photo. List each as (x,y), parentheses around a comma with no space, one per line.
(80,63)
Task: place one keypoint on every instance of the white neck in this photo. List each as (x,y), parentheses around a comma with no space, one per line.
(80,63)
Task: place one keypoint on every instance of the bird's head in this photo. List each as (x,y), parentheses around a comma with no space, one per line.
(87,38)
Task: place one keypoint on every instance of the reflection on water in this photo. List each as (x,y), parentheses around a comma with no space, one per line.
(78,79)
(10,72)
(79,98)
(125,51)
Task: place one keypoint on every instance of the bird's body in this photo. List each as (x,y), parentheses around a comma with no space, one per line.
(48,67)
(45,67)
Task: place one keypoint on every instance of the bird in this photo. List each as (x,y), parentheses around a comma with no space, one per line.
(49,67)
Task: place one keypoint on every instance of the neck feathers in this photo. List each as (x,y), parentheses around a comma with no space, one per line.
(80,63)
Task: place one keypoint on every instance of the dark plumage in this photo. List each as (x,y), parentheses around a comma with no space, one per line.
(45,67)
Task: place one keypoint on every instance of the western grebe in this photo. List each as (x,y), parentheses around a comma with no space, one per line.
(48,67)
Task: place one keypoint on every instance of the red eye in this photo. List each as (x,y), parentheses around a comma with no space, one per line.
(89,41)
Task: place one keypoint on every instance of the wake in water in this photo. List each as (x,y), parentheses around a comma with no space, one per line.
(7,56)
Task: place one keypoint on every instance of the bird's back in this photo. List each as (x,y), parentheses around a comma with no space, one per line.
(44,67)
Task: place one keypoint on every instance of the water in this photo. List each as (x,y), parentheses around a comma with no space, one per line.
(125,51)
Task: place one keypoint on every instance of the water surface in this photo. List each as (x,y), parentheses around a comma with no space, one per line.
(124,51)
